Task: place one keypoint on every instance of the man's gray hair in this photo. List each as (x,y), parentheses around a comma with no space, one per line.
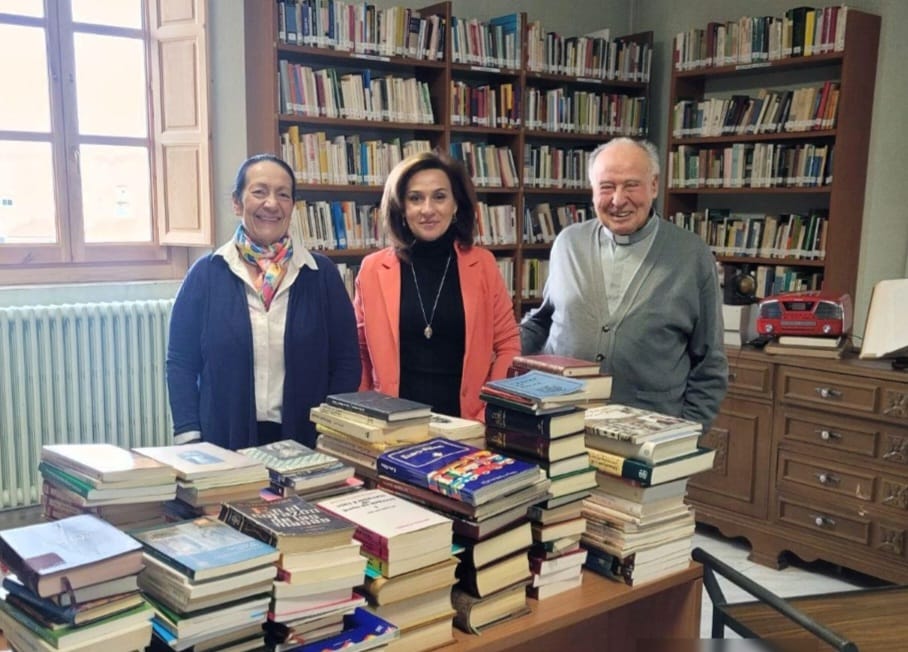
(651,152)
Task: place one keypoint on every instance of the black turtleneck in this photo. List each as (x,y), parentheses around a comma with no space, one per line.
(431,369)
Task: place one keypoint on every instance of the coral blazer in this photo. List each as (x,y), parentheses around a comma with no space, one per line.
(492,336)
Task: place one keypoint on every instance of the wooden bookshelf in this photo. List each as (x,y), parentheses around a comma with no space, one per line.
(266,120)
(841,199)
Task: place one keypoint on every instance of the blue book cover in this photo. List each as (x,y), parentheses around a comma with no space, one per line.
(205,548)
(472,475)
(362,631)
(538,385)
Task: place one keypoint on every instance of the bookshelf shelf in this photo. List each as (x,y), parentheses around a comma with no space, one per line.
(272,116)
(776,173)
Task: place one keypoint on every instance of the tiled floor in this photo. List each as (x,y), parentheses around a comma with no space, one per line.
(798,578)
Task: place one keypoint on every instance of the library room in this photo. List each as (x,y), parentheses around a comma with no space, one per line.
(472,325)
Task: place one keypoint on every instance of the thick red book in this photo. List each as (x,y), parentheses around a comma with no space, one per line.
(556,364)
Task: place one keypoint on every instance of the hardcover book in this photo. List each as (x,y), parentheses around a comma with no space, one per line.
(384,590)
(653,474)
(288,456)
(52,615)
(205,548)
(290,524)
(632,490)
(455,428)
(107,463)
(73,552)
(546,425)
(454,469)
(474,614)
(382,406)
(494,576)
(560,365)
(538,446)
(635,424)
(539,386)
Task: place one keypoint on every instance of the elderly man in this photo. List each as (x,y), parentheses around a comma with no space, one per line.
(636,293)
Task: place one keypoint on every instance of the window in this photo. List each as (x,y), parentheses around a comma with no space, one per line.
(104,164)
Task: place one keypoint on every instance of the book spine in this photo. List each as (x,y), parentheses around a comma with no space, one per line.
(372,543)
(518,442)
(502,418)
(523,365)
(354,407)
(622,467)
(609,566)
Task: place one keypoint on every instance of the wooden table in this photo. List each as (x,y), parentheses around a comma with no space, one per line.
(602,616)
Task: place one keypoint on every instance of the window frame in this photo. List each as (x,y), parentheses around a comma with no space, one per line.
(179,148)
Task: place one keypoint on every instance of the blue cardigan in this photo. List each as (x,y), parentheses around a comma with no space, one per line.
(209,354)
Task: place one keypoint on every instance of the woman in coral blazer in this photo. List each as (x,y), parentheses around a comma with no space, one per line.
(434,318)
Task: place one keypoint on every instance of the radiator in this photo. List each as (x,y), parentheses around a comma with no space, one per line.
(91,372)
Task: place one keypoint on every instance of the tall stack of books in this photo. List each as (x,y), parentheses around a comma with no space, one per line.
(210,585)
(208,475)
(318,567)
(486,494)
(296,469)
(553,438)
(409,570)
(125,489)
(357,427)
(639,527)
(73,596)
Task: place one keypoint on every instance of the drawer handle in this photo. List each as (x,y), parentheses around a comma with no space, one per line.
(826,478)
(823,521)
(828,392)
(827,435)
(732,376)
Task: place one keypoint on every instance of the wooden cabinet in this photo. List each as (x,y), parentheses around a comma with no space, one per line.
(565,108)
(836,473)
(736,181)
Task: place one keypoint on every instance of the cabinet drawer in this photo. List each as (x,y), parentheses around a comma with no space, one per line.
(828,390)
(823,521)
(834,480)
(746,376)
(827,432)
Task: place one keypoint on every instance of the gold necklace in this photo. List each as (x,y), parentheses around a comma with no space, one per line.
(427,331)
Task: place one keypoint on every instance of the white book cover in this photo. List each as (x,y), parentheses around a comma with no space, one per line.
(204,459)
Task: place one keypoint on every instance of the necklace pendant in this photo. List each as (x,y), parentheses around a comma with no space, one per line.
(427,332)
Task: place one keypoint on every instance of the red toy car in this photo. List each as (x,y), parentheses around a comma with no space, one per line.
(805,313)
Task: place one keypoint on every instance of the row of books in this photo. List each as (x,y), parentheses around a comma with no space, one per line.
(592,56)
(751,165)
(546,166)
(489,166)
(496,225)
(485,105)
(802,109)
(361,28)
(758,234)
(535,273)
(495,43)
(585,112)
(360,95)
(339,225)
(317,158)
(801,31)
(543,222)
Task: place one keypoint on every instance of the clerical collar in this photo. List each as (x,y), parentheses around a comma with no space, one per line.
(637,236)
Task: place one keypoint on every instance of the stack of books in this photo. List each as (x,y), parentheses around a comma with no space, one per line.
(318,567)
(409,571)
(486,494)
(210,585)
(638,526)
(208,475)
(73,596)
(357,427)
(296,469)
(555,441)
(125,489)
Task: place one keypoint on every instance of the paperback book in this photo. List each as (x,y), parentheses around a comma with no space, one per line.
(382,406)
(203,459)
(288,456)
(290,524)
(544,425)
(454,469)
(73,552)
(634,424)
(205,548)
(106,463)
